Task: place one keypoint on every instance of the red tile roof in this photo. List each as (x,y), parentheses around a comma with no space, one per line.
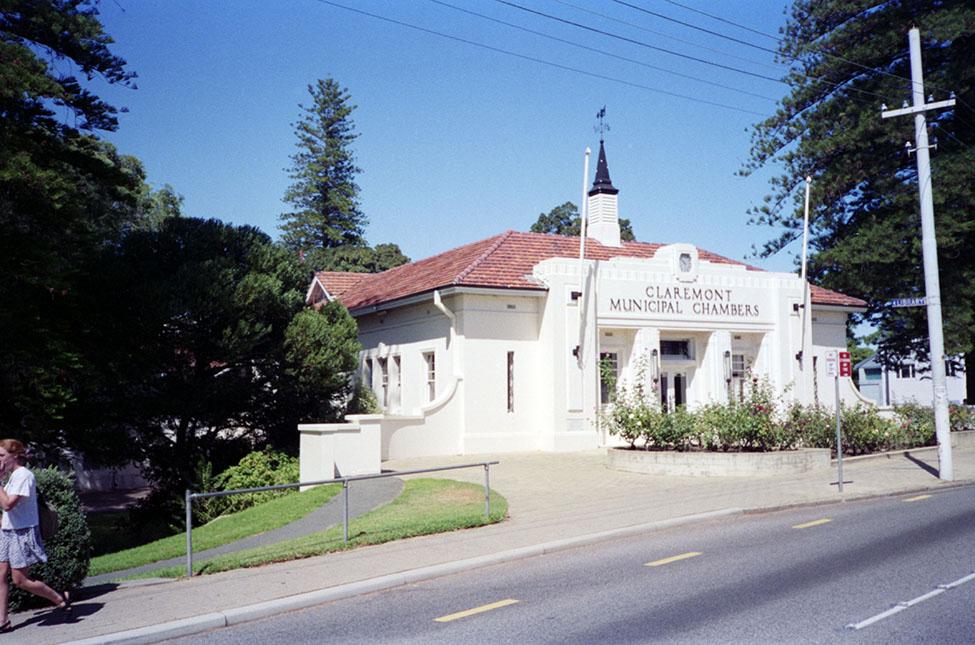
(820,296)
(504,261)
(338,282)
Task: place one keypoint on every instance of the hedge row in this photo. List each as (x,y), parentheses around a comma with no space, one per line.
(761,423)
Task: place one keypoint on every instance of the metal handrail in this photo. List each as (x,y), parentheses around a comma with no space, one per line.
(190,496)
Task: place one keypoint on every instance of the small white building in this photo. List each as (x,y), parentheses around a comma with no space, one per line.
(908,382)
(496,345)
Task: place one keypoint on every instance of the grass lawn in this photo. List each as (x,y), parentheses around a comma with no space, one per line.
(228,528)
(425,506)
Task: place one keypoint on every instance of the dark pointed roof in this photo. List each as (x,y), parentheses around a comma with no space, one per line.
(603,183)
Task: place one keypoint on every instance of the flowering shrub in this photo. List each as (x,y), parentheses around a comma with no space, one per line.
(811,426)
(864,431)
(961,417)
(761,422)
(916,425)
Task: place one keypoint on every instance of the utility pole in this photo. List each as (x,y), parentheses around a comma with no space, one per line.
(929,246)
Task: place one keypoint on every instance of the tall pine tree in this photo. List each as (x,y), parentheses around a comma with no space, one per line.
(848,57)
(324,195)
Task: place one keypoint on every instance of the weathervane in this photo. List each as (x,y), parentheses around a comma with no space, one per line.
(603,126)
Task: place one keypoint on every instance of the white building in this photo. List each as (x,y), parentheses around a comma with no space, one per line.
(495,346)
(908,382)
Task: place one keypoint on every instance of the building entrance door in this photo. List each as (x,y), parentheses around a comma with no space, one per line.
(673,390)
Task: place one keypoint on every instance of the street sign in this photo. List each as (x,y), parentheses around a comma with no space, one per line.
(908,302)
(846,365)
(831,364)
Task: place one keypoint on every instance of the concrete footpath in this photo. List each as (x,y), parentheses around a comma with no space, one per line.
(555,501)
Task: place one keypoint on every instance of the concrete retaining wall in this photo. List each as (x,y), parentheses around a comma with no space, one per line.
(717,464)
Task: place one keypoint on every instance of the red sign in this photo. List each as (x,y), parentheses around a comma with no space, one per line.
(846,366)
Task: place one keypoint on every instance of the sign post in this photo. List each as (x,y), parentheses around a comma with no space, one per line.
(837,366)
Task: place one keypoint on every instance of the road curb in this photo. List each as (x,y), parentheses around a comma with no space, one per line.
(860,497)
(216,620)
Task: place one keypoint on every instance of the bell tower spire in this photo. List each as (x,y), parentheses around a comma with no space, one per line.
(603,220)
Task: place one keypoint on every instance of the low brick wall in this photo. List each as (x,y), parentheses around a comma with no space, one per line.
(717,464)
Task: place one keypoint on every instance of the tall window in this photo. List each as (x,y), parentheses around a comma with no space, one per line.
(367,373)
(511,381)
(738,379)
(384,381)
(397,382)
(429,359)
(737,365)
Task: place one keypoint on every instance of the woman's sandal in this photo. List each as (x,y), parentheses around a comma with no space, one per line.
(6,627)
(66,607)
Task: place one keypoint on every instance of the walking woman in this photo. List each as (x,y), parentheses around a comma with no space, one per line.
(20,534)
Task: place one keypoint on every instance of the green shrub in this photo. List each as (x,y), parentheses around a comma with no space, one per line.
(634,414)
(865,431)
(670,431)
(915,424)
(709,424)
(260,468)
(363,401)
(756,424)
(961,417)
(69,550)
(751,424)
(811,426)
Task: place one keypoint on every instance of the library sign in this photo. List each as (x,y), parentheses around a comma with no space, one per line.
(684,302)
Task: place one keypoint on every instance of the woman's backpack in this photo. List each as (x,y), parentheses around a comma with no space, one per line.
(48,518)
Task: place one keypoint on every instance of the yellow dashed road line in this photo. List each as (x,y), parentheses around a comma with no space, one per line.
(806,525)
(917,498)
(674,558)
(476,610)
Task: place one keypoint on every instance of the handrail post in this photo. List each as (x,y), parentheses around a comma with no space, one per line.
(345,508)
(189,535)
(487,492)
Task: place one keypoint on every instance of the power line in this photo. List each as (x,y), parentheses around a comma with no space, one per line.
(577,7)
(686,56)
(817,50)
(937,126)
(603,52)
(537,60)
(724,20)
(637,42)
(765,49)
(690,26)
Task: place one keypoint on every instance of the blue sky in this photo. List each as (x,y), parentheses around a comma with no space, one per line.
(457,142)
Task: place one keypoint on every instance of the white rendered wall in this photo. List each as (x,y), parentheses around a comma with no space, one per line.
(829,335)
(920,390)
(492,327)
(419,426)
(556,399)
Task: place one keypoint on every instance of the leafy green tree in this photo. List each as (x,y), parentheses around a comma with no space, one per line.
(208,364)
(158,205)
(63,196)
(847,58)
(564,220)
(324,194)
(360,259)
